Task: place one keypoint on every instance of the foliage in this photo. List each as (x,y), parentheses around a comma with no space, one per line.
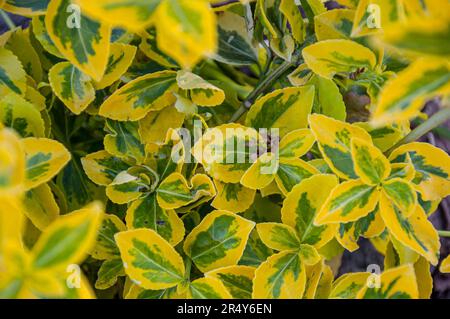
(113,117)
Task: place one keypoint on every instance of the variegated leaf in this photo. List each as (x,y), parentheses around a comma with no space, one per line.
(186,30)
(12,159)
(431,165)
(71,86)
(403,96)
(235,46)
(150,48)
(149,260)
(286,109)
(445,265)
(146,213)
(369,162)
(81,40)
(292,171)
(233,197)
(120,58)
(297,143)
(129,185)
(334,24)
(395,283)
(68,239)
(105,247)
(124,141)
(237,280)
(402,194)
(208,288)
(201,92)
(262,172)
(278,236)
(415,231)
(101,167)
(175,192)
(134,15)
(334,139)
(348,285)
(108,273)
(21,115)
(348,202)
(44,159)
(218,241)
(40,206)
(150,92)
(326,58)
(27,7)
(281,276)
(302,205)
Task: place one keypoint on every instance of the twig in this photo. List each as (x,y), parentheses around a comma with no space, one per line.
(444,233)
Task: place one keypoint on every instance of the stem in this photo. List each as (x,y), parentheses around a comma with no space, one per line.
(7,19)
(261,88)
(444,233)
(434,121)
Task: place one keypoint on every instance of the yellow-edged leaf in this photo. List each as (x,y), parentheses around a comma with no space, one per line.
(237,280)
(233,197)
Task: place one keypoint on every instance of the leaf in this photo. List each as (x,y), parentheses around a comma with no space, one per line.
(227,151)
(69,239)
(44,159)
(348,202)
(326,58)
(278,236)
(21,115)
(369,226)
(294,17)
(126,188)
(313,274)
(431,165)
(281,276)
(201,92)
(71,86)
(348,285)
(334,24)
(236,279)
(369,162)
(26,8)
(82,41)
(120,58)
(105,247)
(149,260)
(235,198)
(175,192)
(150,92)
(108,273)
(218,241)
(383,137)
(255,251)
(186,30)
(40,206)
(150,48)
(328,99)
(415,231)
(403,96)
(154,126)
(419,35)
(261,173)
(402,194)
(292,171)
(41,34)
(102,168)
(12,75)
(445,265)
(286,109)
(334,139)
(395,283)
(302,205)
(235,46)
(124,141)
(208,288)
(12,159)
(146,213)
(296,143)
(382,12)
(134,15)
(423,275)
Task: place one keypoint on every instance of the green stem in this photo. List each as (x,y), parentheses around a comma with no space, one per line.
(434,121)
(7,19)
(444,233)
(261,88)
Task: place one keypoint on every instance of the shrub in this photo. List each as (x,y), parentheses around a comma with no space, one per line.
(220,149)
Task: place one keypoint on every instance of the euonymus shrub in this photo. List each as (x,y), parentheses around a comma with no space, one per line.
(117,147)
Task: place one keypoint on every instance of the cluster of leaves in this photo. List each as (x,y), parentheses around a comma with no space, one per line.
(92,97)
